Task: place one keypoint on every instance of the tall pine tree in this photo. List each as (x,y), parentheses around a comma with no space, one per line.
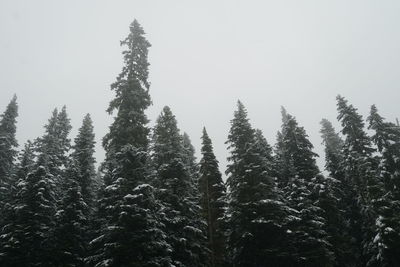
(184,226)
(212,200)
(131,234)
(387,226)
(83,156)
(257,216)
(8,152)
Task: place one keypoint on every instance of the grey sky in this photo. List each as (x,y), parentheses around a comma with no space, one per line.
(205,55)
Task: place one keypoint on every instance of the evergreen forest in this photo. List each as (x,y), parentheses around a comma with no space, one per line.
(152,203)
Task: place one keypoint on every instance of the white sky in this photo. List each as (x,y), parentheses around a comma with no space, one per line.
(205,55)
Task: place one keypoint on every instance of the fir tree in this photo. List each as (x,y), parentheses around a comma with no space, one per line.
(27,240)
(294,152)
(387,203)
(132,95)
(131,234)
(212,200)
(190,151)
(55,144)
(333,149)
(257,216)
(8,142)
(8,153)
(309,242)
(83,157)
(184,226)
(71,223)
(360,183)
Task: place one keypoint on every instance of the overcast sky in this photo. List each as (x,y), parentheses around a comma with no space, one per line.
(205,55)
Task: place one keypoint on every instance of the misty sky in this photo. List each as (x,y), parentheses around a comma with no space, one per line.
(204,56)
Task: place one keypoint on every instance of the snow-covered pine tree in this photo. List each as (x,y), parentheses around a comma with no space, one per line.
(132,95)
(190,159)
(257,217)
(294,152)
(359,181)
(333,149)
(83,156)
(329,195)
(309,243)
(131,234)
(296,170)
(8,152)
(70,235)
(27,239)
(387,226)
(212,200)
(183,222)
(55,144)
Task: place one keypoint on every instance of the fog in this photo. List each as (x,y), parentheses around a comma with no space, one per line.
(205,55)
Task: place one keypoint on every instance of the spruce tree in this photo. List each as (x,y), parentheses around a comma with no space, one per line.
(294,152)
(55,144)
(27,239)
(330,194)
(212,200)
(8,142)
(131,233)
(257,216)
(70,235)
(8,153)
(387,204)
(132,95)
(183,223)
(360,183)
(83,156)
(333,149)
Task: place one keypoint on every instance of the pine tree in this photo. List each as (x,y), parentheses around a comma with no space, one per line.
(333,149)
(387,204)
(27,240)
(8,152)
(83,156)
(294,152)
(131,232)
(212,200)
(71,223)
(184,226)
(330,193)
(359,182)
(309,244)
(190,161)
(8,142)
(132,95)
(257,216)
(55,144)
(133,235)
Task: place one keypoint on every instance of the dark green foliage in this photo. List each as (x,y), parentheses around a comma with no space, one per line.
(27,240)
(8,143)
(333,149)
(183,223)
(71,224)
(294,155)
(257,217)
(132,96)
(212,201)
(83,157)
(309,243)
(133,234)
(386,194)
(8,154)
(54,145)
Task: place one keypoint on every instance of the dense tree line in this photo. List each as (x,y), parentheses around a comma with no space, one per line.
(153,204)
